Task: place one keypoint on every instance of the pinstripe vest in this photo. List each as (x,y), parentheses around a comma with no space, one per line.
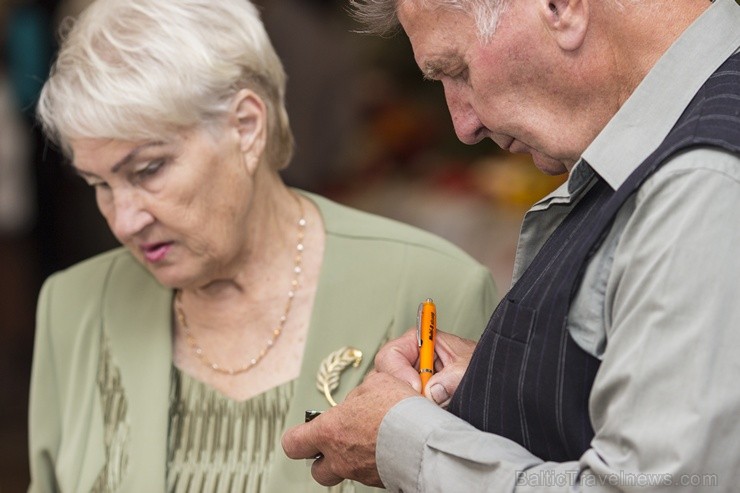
(528,380)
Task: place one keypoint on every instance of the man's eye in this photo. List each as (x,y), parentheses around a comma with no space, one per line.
(460,74)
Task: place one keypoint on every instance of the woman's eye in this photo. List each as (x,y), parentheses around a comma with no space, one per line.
(150,169)
(98,184)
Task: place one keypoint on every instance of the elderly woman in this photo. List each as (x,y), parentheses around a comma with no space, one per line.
(175,362)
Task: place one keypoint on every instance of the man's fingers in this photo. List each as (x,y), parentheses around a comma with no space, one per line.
(398,365)
(451,348)
(322,473)
(453,356)
(299,442)
(400,352)
(398,358)
(443,384)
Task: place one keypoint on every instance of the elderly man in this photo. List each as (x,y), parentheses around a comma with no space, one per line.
(612,363)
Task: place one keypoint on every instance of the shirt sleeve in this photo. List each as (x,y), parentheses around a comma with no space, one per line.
(665,400)
(423,448)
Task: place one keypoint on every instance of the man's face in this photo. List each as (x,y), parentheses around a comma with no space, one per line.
(504,88)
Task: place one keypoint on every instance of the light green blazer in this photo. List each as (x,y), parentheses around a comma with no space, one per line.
(374,274)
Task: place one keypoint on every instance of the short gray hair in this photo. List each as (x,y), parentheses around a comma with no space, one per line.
(380,16)
(148,69)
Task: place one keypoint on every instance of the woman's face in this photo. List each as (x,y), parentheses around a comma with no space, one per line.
(180,207)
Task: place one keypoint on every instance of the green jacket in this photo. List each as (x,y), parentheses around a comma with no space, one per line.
(374,274)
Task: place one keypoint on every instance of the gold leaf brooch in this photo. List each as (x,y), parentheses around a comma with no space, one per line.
(327,379)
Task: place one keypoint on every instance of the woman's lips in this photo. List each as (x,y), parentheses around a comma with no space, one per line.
(155,252)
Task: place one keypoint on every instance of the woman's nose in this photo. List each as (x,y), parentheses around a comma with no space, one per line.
(128,216)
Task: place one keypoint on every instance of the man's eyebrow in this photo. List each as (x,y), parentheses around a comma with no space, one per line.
(431,69)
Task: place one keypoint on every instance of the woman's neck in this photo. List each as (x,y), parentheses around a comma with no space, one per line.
(270,241)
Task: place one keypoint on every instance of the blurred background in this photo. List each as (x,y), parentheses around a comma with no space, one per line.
(370,133)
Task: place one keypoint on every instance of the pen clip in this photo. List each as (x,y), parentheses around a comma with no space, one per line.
(418,324)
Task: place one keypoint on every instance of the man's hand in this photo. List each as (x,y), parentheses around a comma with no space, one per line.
(400,359)
(346,435)
(451,363)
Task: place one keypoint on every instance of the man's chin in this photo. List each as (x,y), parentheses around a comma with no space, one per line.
(548,165)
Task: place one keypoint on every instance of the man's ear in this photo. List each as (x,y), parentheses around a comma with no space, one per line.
(248,116)
(567,21)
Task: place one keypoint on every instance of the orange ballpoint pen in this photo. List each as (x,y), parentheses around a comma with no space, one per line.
(426,331)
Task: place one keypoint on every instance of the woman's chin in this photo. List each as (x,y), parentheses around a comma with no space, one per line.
(167,272)
(168,276)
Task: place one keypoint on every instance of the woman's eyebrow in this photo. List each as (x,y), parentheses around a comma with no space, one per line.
(133,154)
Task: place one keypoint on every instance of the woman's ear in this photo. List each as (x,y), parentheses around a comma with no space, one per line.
(248,116)
(567,21)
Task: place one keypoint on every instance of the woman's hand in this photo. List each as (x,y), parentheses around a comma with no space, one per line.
(400,358)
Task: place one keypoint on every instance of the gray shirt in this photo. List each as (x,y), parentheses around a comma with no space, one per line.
(659,305)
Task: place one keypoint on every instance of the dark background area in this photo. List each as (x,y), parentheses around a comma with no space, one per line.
(370,133)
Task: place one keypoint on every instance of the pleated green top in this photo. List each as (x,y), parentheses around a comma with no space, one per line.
(215,444)
(219,445)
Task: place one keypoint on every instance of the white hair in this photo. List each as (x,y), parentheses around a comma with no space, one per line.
(148,69)
(380,16)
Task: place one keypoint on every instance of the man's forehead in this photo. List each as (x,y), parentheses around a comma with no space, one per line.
(439,37)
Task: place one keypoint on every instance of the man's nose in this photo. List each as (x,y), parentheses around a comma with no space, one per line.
(464,118)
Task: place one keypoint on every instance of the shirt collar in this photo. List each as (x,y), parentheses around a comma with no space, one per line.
(650,112)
